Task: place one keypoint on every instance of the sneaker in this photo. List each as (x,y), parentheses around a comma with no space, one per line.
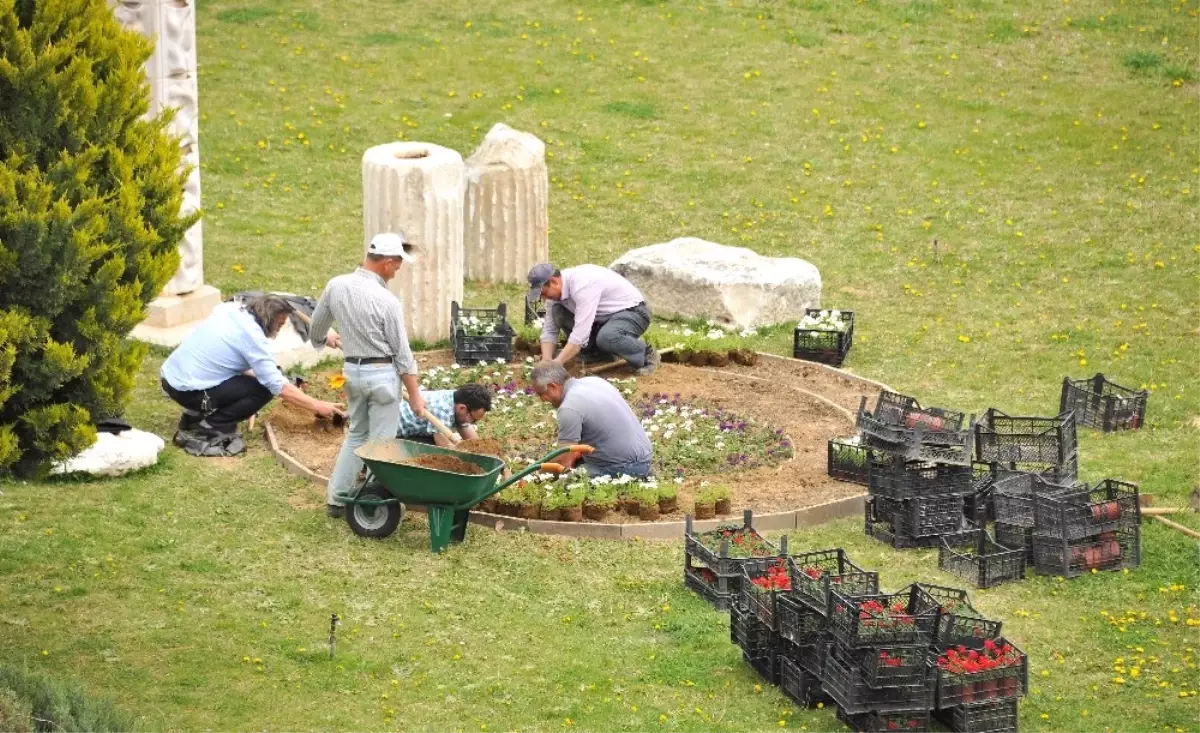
(335,511)
(652,362)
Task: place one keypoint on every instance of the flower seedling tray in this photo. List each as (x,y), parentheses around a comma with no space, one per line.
(826,347)
(1114,550)
(1011,535)
(814,574)
(799,623)
(977,558)
(848,461)
(958,622)
(843,681)
(893,477)
(913,721)
(998,716)
(1104,405)
(963,675)
(803,687)
(1046,445)
(1074,515)
(880,621)
(725,549)
(764,582)
(901,426)
(479,335)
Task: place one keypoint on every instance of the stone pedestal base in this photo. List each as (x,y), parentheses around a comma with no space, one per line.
(169,311)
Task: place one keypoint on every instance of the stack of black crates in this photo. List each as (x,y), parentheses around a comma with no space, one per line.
(919,471)
(825,632)
(480,335)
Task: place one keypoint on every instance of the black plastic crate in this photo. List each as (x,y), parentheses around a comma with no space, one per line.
(892,477)
(1046,445)
(1074,515)
(729,556)
(827,347)
(1011,535)
(1104,405)
(1014,496)
(998,716)
(889,666)
(977,558)
(766,666)
(754,638)
(534,310)
(803,687)
(892,528)
(1108,551)
(977,505)
(843,681)
(814,574)
(924,516)
(1005,683)
(706,584)
(479,335)
(848,461)
(958,622)
(811,657)
(901,426)
(800,624)
(883,620)
(761,602)
(913,721)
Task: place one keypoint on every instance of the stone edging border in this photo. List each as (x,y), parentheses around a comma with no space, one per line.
(789,520)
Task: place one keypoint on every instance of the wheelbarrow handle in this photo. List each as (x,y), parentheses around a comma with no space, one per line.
(554,468)
(542,465)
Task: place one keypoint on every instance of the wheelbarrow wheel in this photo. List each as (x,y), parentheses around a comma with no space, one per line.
(374,521)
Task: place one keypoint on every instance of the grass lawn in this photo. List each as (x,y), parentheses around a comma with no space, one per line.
(1050,150)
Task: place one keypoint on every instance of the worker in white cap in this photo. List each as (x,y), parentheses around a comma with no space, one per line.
(378,358)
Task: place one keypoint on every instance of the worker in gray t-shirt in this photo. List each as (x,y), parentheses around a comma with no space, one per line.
(591,411)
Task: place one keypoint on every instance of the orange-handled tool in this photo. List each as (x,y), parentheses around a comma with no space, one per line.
(555,468)
(585,449)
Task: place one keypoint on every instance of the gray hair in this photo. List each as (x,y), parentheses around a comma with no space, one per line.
(546,373)
(266,310)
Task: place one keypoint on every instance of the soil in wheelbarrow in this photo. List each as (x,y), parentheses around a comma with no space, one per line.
(443,462)
(481,446)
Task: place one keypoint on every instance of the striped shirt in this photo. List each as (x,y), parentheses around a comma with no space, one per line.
(590,292)
(370,319)
(440,404)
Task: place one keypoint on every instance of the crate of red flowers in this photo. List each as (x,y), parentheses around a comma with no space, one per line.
(1099,403)
(824,336)
(912,721)
(705,583)
(976,557)
(1087,511)
(997,671)
(727,547)
(764,582)
(998,716)
(814,574)
(844,682)
(880,620)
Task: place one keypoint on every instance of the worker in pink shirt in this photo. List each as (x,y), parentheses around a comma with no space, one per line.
(597,308)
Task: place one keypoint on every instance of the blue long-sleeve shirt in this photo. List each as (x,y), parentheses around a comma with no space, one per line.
(228,343)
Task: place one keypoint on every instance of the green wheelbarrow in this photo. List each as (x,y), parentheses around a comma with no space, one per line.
(376,508)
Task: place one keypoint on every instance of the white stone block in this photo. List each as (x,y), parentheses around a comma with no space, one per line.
(418,188)
(506,230)
(734,286)
(170,25)
(115,455)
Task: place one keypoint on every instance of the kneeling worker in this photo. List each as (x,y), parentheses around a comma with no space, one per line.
(596,306)
(209,376)
(458,409)
(591,411)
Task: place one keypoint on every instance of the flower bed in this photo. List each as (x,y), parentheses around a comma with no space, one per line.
(848,460)
(824,336)
(703,439)
(974,556)
(814,574)
(997,671)
(1104,405)
(879,620)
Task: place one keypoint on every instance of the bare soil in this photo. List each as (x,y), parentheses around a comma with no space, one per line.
(443,462)
(779,393)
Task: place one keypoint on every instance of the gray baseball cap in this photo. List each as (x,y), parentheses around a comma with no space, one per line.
(539,275)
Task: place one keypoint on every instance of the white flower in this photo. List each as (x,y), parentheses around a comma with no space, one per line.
(456,365)
(500,360)
(679,479)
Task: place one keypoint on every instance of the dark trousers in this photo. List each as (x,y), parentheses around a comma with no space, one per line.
(222,406)
(617,334)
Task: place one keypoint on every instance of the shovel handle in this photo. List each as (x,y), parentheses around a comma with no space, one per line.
(450,435)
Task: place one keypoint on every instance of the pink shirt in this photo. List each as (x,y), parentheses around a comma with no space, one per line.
(589,291)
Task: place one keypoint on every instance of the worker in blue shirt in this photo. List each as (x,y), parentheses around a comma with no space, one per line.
(224,372)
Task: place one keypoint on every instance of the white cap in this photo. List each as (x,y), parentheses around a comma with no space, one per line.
(392,244)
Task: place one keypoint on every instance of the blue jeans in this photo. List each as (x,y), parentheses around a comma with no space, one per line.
(637,469)
(373,403)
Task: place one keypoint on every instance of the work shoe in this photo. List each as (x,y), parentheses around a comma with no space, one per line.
(335,511)
(652,362)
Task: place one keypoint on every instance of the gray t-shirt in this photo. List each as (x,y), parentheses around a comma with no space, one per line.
(593,412)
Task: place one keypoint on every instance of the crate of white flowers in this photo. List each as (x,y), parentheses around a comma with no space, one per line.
(824,336)
(480,335)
